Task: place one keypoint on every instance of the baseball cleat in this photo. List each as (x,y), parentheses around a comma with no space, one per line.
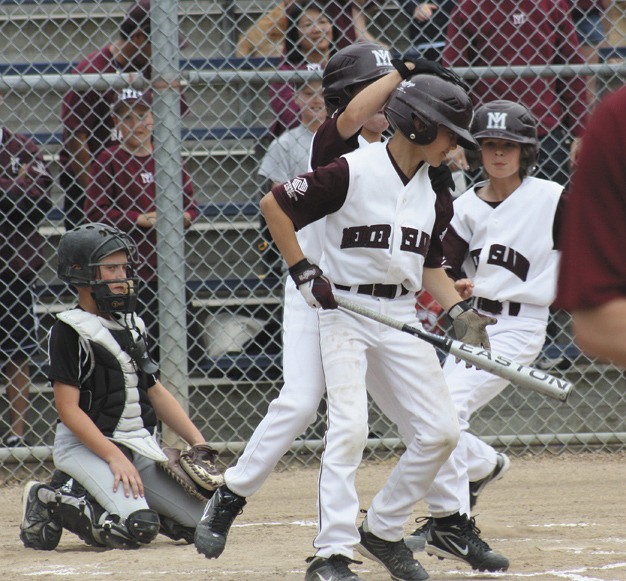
(502,467)
(335,568)
(394,556)
(219,514)
(416,541)
(461,542)
(37,529)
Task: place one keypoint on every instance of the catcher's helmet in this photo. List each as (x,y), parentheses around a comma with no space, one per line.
(505,120)
(433,101)
(350,67)
(79,254)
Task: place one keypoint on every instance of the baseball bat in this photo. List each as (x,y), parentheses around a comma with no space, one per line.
(522,375)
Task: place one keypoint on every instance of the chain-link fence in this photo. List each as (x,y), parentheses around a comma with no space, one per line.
(238,70)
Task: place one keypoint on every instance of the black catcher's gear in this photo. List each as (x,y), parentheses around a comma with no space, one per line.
(351,67)
(432,101)
(80,252)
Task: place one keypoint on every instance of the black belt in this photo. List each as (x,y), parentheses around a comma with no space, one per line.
(495,307)
(381,291)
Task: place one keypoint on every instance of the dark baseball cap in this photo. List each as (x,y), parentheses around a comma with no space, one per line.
(131,97)
(138,18)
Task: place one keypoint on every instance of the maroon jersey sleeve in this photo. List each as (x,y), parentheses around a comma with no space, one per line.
(593,269)
(445,211)
(328,145)
(313,195)
(455,250)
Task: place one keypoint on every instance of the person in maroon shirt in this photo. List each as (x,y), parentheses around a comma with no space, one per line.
(122,192)
(592,277)
(488,33)
(86,115)
(24,202)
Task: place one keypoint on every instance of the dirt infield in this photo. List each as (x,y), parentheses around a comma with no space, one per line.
(554,517)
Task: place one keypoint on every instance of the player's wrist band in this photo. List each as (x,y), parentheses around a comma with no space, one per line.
(455,310)
(399,65)
(304,271)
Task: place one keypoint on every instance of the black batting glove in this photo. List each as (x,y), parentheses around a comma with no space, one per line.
(426,67)
(470,326)
(315,288)
(441,178)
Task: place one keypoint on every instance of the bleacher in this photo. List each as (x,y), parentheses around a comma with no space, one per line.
(222,144)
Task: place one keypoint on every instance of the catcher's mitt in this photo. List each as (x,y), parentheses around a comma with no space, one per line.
(173,467)
(199,463)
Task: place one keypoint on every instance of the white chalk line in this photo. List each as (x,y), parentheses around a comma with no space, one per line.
(576,574)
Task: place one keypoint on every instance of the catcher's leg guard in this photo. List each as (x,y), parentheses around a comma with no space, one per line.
(170,528)
(38,529)
(80,516)
(140,527)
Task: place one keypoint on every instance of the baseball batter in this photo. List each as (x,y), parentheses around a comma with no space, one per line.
(297,404)
(503,236)
(382,244)
(358,120)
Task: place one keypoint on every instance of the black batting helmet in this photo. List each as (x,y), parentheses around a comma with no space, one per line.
(433,101)
(79,254)
(505,120)
(350,67)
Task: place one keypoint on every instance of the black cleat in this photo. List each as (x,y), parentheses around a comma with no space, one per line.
(475,488)
(394,556)
(461,542)
(416,541)
(335,568)
(219,514)
(38,530)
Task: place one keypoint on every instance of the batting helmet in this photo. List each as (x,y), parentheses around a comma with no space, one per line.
(350,67)
(505,120)
(79,254)
(433,101)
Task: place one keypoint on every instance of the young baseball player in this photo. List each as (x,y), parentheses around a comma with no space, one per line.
(382,244)
(503,236)
(109,402)
(363,68)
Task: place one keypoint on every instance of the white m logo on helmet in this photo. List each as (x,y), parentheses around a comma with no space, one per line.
(496,120)
(383,58)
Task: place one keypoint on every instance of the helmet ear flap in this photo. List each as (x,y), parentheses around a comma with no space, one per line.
(425,131)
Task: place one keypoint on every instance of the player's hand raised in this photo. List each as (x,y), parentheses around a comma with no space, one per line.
(315,288)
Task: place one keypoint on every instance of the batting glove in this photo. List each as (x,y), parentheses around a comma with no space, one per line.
(470,326)
(426,67)
(315,288)
(441,178)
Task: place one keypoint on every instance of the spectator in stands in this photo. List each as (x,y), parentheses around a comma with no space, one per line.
(428,22)
(266,37)
(486,33)
(86,115)
(24,202)
(122,192)
(288,156)
(588,16)
(308,46)
(615,18)
(593,271)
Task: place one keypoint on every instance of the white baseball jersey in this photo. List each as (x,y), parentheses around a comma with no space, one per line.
(287,156)
(511,247)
